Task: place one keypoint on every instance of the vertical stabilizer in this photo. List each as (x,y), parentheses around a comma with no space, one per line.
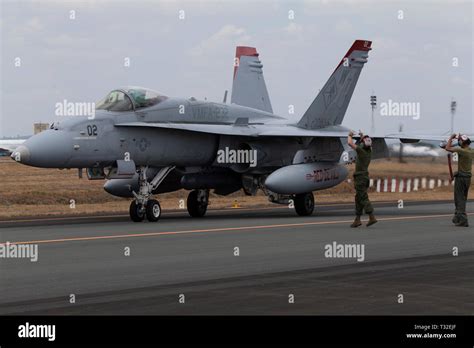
(248,88)
(330,105)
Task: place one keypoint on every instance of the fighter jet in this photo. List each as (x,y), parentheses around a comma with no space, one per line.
(145,143)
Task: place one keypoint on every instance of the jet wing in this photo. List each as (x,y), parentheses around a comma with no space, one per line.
(416,137)
(405,137)
(276,130)
(249,130)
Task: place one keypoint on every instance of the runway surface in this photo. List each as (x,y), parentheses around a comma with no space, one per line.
(409,252)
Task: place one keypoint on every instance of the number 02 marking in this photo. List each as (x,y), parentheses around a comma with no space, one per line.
(91,130)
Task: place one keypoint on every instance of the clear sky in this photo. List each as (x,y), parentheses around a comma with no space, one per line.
(415,45)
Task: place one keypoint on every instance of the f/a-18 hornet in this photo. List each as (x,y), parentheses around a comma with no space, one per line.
(145,143)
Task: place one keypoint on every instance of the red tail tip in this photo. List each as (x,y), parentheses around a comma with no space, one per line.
(361,45)
(245,51)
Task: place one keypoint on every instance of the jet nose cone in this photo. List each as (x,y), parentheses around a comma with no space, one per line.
(48,149)
(21,154)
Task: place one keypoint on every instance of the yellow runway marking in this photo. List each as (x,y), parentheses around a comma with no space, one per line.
(172,213)
(125,215)
(151,234)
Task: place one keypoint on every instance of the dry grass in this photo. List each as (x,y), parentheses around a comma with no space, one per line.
(28,191)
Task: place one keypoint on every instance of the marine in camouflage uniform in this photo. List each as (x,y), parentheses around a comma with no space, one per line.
(462,177)
(361,178)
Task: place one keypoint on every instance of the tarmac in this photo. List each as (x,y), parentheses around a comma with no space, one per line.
(265,261)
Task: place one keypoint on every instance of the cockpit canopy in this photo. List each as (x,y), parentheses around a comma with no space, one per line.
(130,98)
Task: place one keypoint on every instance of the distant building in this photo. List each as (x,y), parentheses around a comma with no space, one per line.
(39,127)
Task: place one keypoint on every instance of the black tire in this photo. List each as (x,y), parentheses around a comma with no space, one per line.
(304,204)
(135,213)
(153,210)
(195,208)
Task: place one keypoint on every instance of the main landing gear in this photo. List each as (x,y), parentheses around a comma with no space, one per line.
(304,203)
(197,202)
(143,206)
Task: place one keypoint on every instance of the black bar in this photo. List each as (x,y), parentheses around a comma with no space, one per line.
(290,330)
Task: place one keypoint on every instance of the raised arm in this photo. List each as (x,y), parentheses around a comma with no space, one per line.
(449,147)
(350,141)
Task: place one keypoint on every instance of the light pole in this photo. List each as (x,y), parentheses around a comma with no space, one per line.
(453,111)
(373,104)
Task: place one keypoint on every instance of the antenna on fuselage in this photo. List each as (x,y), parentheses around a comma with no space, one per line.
(225,97)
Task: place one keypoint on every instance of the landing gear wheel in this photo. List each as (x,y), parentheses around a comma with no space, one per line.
(136,213)
(153,210)
(304,204)
(142,205)
(196,207)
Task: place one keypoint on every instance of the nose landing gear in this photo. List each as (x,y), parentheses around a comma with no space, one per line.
(136,211)
(153,210)
(143,206)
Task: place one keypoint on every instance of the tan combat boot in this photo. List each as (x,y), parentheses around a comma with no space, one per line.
(372,220)
(356,222)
